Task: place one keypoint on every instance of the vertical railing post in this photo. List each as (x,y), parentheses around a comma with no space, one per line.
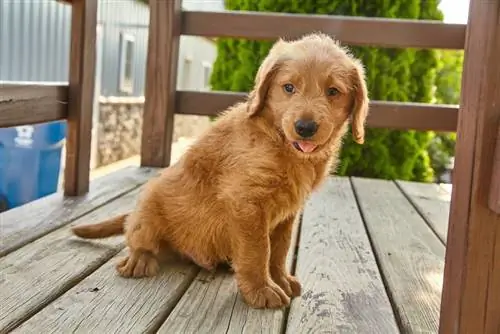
(495,178)
(161,77)
(471,290)
(81,96)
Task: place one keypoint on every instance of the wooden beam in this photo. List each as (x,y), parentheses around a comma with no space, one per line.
(495,178)
(30,103)
(81,96)
(161,77)
(380,32)
(471,291)
(383,114)
(412,116)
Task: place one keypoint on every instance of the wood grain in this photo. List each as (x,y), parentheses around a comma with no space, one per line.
(161,81)
(212,304)
(410,255)
(30,103)
(432,202)
(398,33)
(471,290)
(106,303)
(24,224)
(81,96)
(383,114)
(494,200)
(38,273)
(342,287)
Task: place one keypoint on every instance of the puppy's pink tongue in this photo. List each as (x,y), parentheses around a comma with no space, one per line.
(306,147)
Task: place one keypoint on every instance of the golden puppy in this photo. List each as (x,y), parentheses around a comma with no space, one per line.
(237,191)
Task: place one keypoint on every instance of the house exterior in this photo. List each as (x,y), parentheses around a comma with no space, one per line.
(37,33)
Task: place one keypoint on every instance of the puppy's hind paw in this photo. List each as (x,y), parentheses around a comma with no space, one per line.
(138,265)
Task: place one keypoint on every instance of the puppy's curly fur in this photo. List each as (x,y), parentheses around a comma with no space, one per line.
(236,193)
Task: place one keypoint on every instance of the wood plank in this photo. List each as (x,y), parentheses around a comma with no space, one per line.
(38,273)
(381,32)
(410,255)
(161,82)
(494,200)
(212,304)
(343,290)
(24,224)
(432,202)
(471,291)
(107,303)
(24,103)
(81,96)
(448,187)
(383,114)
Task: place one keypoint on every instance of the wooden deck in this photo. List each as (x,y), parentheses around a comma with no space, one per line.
(369,253)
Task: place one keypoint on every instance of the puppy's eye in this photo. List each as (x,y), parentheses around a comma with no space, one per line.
(332,91)
(289,88)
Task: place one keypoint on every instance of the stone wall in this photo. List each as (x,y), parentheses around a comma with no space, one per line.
(120,128)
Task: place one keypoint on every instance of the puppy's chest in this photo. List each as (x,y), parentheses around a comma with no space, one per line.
(289,197)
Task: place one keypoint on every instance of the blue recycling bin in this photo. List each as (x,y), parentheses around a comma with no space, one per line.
(30,162)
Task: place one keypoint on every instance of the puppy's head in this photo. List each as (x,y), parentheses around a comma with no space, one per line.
(310,88)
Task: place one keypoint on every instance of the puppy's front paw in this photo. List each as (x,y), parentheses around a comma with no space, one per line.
(289,284)
(268,296)
(138,266)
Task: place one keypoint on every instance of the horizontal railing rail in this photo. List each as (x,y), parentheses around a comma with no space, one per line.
(380,32)
(383,114)
(32,102)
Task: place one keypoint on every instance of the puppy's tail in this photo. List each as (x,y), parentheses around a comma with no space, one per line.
(108,228)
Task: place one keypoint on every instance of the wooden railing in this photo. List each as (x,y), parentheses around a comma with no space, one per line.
(494,195)
(380,32)
(29,103)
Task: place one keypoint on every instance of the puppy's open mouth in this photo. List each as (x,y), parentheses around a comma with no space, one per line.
(304,146)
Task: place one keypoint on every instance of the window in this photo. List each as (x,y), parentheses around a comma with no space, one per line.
(127,49)
(207,71)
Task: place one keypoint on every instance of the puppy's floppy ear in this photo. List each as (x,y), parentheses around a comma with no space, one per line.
(263,79)
(361,101)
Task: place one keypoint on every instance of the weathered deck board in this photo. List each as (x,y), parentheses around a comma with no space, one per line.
(24,224)
(59,283)
(410,255)
(39,272)
(432,202)
(107,303)
(342,288)
(212,304)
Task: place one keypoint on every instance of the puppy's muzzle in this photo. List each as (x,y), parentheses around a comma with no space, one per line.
(306,128)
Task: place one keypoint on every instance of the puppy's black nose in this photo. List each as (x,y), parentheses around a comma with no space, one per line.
(306,129)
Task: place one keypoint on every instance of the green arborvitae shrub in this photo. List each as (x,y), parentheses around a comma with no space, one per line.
(448,84)
(392,75)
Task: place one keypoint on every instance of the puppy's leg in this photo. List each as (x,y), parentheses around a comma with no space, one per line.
(144,246)
(251,254)
(280,246)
